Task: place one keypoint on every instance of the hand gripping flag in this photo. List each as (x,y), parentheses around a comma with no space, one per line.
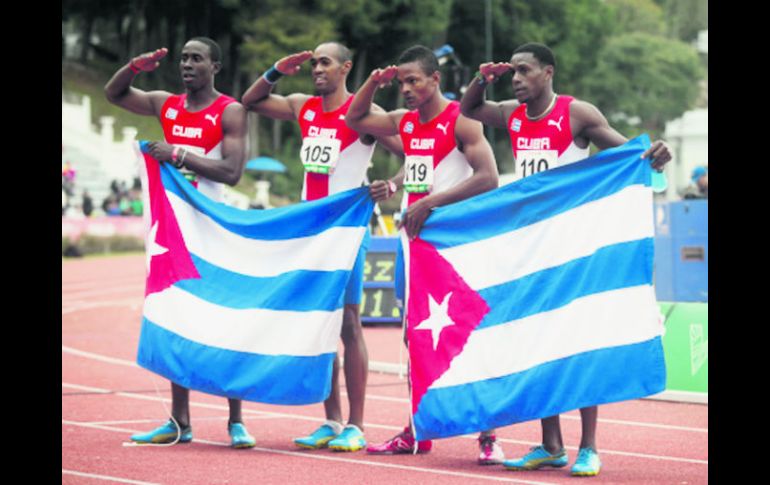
(536,298)
(245,304)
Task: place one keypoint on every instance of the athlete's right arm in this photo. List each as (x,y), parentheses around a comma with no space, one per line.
(474,105)
(119,91)
(259,98)
(362,118)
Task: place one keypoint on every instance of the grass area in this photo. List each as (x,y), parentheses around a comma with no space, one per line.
(90,82)
(104,256)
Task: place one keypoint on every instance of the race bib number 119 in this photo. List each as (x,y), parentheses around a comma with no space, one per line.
(418,174)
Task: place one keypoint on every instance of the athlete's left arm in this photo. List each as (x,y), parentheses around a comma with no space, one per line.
(589,123)
(471,140)
(229,169)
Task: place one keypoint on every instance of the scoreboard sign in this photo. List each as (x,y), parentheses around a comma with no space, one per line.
(378,303)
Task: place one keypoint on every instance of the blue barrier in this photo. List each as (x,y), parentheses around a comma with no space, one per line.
(681,251)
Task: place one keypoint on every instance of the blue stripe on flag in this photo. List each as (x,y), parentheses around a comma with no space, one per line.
(587,379)
(302,290)
(288,222)
(557,191)
(610,268)
(254,377)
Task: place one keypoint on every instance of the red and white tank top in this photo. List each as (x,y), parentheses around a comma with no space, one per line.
(433,161)
(546,143)
(335,154)
(200,132)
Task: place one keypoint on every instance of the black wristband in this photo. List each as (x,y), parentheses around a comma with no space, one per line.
(272,75)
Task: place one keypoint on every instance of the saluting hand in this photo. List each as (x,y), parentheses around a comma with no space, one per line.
(383,77)
(149,61)
(290,65)
(493,70)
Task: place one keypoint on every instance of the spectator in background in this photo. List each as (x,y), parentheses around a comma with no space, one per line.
(111,206)
(700,189)
(88,204)
(135,200)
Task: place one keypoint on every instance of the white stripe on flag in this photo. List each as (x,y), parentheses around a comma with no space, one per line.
(330,250)
(249,330)
(621,217)
(608,319)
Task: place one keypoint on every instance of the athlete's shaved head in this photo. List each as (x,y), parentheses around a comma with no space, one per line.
(342,53)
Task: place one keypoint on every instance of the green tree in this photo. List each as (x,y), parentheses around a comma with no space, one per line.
(645,76)
(637,16)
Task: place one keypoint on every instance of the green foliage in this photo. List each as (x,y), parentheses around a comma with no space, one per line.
(612,53)
(637,16)
(647,76)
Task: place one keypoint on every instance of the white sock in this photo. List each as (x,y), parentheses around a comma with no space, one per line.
(335,425)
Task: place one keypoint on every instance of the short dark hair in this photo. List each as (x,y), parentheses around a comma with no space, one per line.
(541,52)
(214,50)
(343,53)
(423,55)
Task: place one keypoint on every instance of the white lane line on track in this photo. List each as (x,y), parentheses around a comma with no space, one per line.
(100,283)
(368,425)
(298,454)
(72,307)
(102,290)
(105,477)
(402,400)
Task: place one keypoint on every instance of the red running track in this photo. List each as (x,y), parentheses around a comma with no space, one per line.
(106,397)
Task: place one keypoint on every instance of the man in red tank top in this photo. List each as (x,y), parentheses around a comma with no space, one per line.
(548,130)
(447,160)
(205,136)
(336,158)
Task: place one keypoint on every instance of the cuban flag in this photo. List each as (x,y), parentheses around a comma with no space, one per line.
(245,304)
(536,298)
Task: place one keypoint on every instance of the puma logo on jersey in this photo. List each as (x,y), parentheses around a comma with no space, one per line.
(408,127)
(557,124)
(523,143)
(422,143)
(187,132)
(212,119)
(309,115)
(322,132)
(171,113)
(516,125)
(342,117)
(442,127)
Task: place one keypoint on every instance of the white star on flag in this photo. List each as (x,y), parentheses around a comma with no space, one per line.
(438,320)
(153,248)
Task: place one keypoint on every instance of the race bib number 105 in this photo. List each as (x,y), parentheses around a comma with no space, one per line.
(418,174)
(319,154)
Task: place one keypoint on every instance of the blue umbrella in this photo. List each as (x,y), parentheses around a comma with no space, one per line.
(265,164)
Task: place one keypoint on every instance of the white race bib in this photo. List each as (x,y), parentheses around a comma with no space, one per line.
(320,154)
(418,174)
(530,162)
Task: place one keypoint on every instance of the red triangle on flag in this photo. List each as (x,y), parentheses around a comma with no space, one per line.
(442,311)
(168,259)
